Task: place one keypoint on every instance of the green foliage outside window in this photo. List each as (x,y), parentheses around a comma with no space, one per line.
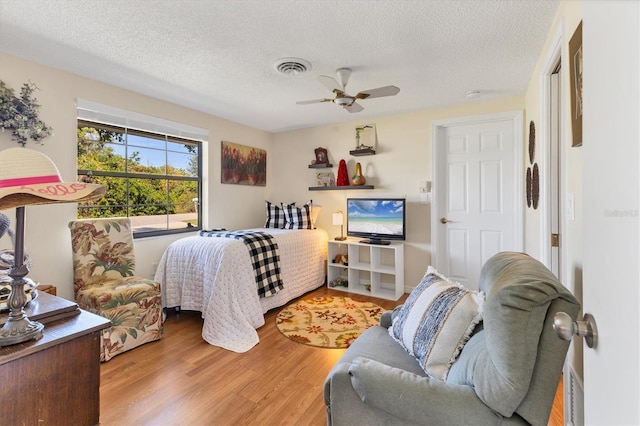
(133,188)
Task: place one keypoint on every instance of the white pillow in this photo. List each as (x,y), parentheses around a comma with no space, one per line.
(436,321)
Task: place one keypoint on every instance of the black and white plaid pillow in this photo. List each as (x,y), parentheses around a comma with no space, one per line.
(297,217)
(275,216)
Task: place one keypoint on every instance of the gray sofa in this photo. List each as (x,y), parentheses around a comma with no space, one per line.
(507,373)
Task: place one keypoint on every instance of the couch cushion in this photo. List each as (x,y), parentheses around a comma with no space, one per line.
(436,321)
(461,372)
(376,344)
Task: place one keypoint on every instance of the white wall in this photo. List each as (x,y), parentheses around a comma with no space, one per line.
(565,22)
(402,160)
(47,238)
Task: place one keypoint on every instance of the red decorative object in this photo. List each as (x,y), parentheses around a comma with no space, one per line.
(343,174)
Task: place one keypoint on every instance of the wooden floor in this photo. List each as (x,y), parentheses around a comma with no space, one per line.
(182,380)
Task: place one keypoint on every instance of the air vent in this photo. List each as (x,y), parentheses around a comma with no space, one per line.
(575,411)
(292,66)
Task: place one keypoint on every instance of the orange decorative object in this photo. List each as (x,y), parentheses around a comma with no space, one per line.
(358,179)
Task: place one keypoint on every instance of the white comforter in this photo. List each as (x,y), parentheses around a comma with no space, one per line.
(215,276)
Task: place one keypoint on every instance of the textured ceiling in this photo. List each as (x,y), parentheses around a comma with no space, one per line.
(218,56)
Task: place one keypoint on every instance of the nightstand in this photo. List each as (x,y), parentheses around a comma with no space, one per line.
(55,379)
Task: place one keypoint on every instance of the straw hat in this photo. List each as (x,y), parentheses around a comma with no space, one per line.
(30,177)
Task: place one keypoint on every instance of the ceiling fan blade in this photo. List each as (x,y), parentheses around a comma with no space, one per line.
(314,101)
(354,107)
(343,76)
(378,93)
(329,82)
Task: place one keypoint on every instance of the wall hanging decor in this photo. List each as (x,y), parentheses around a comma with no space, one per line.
(243,165)
(535,186)
(19,115)
(532,141)
(575,73)
(528,186)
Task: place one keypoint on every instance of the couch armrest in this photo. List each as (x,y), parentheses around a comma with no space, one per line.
(416,399)
(387,317)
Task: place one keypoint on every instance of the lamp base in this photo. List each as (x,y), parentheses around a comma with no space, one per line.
(340,238)
(18,327)
(19,330)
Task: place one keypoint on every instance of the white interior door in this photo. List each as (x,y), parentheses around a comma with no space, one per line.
(555,240)
(611,240)
(478,193)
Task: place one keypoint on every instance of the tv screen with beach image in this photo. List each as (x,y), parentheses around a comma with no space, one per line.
(383,218)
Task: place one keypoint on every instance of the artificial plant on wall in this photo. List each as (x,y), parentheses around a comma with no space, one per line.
(20,114)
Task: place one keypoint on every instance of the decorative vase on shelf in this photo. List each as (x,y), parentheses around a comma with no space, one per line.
(343,174)
(358,179)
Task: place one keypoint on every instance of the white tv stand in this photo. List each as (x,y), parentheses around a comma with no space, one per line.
(372,269)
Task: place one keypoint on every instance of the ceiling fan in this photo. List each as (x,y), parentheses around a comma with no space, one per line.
(345,100)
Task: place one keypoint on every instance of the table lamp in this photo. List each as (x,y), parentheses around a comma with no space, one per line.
(29,177)
(338,219)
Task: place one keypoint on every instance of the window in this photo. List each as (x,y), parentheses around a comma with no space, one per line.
(153,178)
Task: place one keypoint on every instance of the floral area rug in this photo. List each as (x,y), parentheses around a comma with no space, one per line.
(327,322)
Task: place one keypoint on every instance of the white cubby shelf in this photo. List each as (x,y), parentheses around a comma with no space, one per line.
(372,269)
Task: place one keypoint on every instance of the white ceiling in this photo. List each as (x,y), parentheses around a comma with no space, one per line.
(217,56)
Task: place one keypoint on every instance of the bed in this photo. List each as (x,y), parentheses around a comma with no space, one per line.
(215,277)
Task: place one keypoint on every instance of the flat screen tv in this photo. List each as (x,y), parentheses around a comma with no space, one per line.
(377,220)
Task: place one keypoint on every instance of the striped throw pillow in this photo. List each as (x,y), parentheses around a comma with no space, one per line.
(436,321)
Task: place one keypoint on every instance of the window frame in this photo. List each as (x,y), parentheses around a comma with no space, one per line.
(129,148)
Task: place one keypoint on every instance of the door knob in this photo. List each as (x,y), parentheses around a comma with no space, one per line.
(566,327)
(443,220)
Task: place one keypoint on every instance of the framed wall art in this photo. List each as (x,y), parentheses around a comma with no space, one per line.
(322,157)
(575,71)
(366,137)
(243,165)
(327,179)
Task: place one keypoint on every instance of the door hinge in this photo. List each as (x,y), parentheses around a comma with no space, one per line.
(555,240)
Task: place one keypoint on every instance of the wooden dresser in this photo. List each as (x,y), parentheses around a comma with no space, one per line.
(56,379)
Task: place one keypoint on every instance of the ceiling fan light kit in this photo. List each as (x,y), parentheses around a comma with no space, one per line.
(343,99)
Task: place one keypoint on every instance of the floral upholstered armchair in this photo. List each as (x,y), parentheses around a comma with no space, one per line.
(105,284)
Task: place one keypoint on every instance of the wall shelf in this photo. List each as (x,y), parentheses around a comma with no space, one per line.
(338,188)
(361,152)
(320,166)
